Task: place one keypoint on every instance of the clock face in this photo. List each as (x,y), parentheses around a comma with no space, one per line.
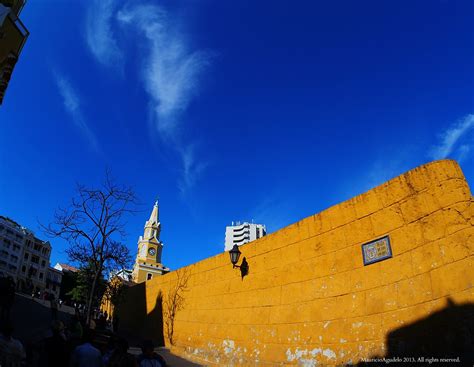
(152,251)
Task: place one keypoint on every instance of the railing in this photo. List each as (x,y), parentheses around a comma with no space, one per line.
(23,30)
(15,35)
(15,5)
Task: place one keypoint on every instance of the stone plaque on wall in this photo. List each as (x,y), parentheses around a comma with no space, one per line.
(377,250)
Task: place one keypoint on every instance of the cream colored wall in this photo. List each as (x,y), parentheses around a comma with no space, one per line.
(309,298)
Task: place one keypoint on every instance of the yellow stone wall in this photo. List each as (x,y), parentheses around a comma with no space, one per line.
(308,297)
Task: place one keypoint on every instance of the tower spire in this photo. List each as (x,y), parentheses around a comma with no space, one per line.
(148,261)
(154,216)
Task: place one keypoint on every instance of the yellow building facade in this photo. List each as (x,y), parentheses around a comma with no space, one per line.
(314,294)
(148,260)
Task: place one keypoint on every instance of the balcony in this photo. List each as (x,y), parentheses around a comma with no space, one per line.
(13,35)
(15,5)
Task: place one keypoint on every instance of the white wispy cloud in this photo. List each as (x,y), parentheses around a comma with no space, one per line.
(172,70)
(192,168)
(72,104)
(99,33)
(171,77)
(451,139)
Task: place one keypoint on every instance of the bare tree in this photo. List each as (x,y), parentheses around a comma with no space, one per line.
(94,228)
(114,293)
(175,301)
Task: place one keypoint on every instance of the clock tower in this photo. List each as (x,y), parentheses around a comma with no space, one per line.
(148,261)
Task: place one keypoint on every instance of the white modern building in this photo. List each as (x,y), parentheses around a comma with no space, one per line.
(240,233)
(123,274)
(23,256)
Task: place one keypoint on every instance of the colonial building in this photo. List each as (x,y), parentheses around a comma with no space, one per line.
(148,260)
(24,257)
(12,238)
(241,233)
(53,282)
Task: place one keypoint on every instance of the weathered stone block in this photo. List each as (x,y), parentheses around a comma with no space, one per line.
(381,299)
(418,206)
(394,191)
(340,214)
(339,283)
(359,231)
(414,290)
(397,268)
(289,254)
(451,191)
(440,171)
(387,219)
(426,257)
(452,278)
(457,246)
(433,226)
(367,204)
(406,238)
(457,217)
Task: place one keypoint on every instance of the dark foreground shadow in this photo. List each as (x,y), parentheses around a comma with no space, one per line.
(132,314)
(446,336)
(154,322)
(135,324)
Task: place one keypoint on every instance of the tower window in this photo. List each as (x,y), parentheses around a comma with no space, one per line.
(149,276)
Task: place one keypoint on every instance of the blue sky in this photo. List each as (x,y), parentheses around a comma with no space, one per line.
(268,111)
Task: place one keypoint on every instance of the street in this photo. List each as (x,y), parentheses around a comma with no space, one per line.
(32,318)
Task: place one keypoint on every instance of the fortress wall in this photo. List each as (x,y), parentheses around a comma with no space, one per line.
(308,298)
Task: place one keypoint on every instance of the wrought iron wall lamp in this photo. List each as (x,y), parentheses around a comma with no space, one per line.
(234,259)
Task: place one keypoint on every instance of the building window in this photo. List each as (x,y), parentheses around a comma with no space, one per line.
(26,256)
(23,268)
(43,263)
(149,276)
(41,275)
(35,259)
